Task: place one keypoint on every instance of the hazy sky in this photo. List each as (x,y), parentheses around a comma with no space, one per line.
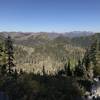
(50,15)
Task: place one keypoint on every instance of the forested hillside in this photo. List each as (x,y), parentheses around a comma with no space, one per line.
(33,51)
(61,68)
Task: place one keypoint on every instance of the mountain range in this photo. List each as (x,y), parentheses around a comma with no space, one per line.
(52,50)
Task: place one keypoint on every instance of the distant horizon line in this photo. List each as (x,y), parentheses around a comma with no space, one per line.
(47,31)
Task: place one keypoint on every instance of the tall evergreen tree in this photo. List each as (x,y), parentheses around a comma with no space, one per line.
(97,58)
(0,56)
(69,73)
(79,69)
(0,52)
(88,65)
(65,68)
(10,54)
(43,71)
(92,52)
(86,60)
(94,56)
(2,59)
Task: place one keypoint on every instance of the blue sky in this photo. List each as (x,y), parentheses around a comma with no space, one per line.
(50,15)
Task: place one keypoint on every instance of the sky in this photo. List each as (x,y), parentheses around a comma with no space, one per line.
(50,15)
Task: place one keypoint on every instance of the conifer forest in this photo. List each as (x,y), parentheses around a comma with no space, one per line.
(49,66)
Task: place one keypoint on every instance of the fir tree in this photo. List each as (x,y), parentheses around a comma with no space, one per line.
(79,69)
(1,50)
(43,71)
(88,65)
(65,68)
(69,73)
(97,59)
(10,54)
(2,60)
(94,56)
(86,60)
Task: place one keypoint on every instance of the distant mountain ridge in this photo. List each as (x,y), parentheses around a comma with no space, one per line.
(51,35)
(40,38)
(78,33)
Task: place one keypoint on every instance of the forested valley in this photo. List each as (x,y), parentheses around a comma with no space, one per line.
(49,67)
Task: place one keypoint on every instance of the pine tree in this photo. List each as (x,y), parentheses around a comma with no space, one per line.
(88,65)
(86,60)
(92,52)
(1,50)
(0,56)
(79,69)
(43,71)
(69,73)
(94,56)
(2,60)
(65,68)
(10,54)
(97,59)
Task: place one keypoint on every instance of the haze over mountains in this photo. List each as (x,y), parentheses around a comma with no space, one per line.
(50,34)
